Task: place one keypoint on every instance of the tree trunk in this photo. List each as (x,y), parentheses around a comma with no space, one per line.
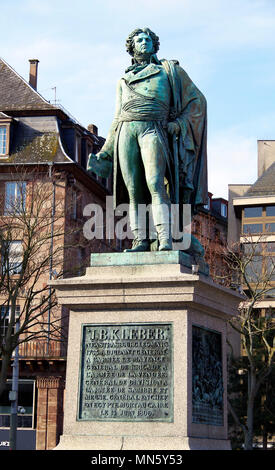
(248,442)
(252,391)
(264,438)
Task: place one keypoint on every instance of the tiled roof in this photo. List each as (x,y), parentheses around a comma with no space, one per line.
(265,185)
(16,94)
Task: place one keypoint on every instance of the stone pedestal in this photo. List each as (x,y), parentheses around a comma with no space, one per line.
(140,340)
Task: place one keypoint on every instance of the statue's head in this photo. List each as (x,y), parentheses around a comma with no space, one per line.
(142,41)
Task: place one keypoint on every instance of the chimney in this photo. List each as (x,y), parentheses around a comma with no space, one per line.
(33,72)
(93,129)
(266,155)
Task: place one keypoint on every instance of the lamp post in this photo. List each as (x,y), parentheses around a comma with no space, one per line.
(13,396)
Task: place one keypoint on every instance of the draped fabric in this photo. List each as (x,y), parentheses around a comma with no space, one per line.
(141,109)
(190,111)
(187,153)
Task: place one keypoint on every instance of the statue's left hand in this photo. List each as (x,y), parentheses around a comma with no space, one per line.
(173,128)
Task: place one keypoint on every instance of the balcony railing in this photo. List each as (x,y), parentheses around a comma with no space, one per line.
(42,350)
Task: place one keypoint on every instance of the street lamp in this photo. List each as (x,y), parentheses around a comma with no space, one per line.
(13,396)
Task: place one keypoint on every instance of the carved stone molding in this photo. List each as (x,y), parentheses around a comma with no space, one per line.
(50,382)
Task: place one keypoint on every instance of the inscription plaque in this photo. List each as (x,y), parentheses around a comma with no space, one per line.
(126,372)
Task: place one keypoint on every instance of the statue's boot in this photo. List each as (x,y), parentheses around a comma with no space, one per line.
(139,243)
(162,221)
(164,237)
(138,227)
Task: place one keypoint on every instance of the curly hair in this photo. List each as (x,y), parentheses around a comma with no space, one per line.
(130,47)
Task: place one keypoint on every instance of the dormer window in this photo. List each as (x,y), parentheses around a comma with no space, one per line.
(5,122)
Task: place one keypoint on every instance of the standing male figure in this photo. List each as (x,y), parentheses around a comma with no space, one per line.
(157,139)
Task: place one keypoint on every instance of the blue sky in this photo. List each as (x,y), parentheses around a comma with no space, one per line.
(226,47)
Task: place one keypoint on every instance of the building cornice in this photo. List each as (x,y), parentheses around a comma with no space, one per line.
(253,200)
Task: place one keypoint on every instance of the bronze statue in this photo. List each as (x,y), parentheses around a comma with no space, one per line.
(157,140)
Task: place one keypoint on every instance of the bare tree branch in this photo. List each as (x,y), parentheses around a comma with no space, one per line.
(249,264)
(33,239)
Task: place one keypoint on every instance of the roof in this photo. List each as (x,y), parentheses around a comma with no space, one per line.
(36,139)
(40,132)
(16,94)
(265,185)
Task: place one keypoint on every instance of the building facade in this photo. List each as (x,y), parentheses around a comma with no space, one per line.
(251,219)
(251,230)
(209,226)
(43,147)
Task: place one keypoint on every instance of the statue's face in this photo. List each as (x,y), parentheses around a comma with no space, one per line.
(143,44)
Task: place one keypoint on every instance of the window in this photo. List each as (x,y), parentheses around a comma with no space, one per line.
(5,128)
(253,211)
(270,246)
(78,148)
(26,401)
(5,318)
(271,293)
(254,269)
(270,268)
(208,205)
(253,249)
(270,211)
(3,140)
(12,256)
(81,261)
(15,197)
(252,228)
(270,227)
(15,257)
(262,220)
(254,254)
(74,205)
(261,261)
(223,209)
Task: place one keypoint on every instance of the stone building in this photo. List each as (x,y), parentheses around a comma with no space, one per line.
(209,225)
(251,228)
(39,137)
(251,215)
(251,221)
